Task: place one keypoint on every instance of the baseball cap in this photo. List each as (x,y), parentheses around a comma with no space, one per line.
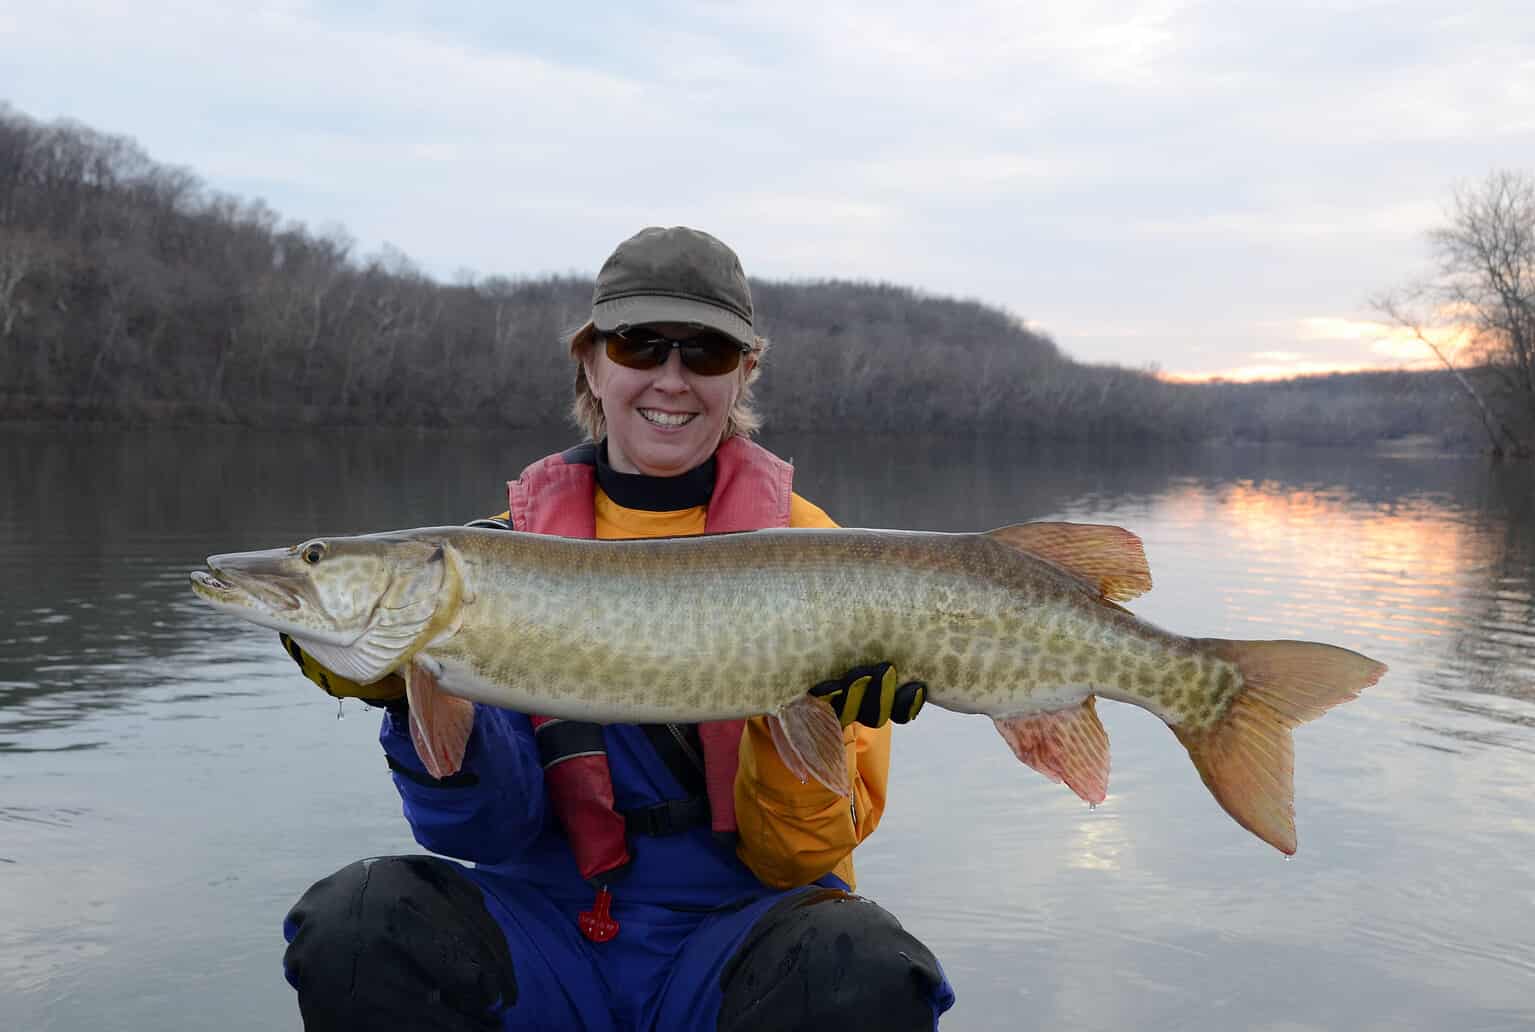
(673,274)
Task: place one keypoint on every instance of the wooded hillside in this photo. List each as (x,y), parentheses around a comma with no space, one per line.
(131,292)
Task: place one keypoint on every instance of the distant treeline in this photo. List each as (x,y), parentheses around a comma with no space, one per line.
(130,292)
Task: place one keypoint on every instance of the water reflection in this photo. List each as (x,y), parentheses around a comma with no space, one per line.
(168,784)
(1449,589)
(1432,561)
(95,550)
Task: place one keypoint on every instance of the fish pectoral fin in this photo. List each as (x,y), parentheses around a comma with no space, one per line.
(1067,745)
(1109,560)
(346,660)
(439,723)
(377,651)
(809,740)
(786,751)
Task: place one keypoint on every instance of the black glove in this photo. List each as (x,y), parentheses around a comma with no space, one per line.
(379,693)
(872,695)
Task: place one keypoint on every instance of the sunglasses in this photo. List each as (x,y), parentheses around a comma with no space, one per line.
(708,354)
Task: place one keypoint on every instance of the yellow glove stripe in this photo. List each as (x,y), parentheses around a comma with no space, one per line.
(917,702)
(852,699)
(887,686)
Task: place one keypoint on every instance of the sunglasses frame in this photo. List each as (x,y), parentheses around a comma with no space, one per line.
(659,348)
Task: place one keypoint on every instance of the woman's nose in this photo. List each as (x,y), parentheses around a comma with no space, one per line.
(669,373)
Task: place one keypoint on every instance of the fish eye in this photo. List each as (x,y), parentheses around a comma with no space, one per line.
(314,552)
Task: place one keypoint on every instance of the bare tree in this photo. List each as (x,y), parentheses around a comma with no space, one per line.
(1484,283)
(21,254)
(1405,308)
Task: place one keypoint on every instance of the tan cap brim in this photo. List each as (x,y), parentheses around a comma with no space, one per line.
(621,313)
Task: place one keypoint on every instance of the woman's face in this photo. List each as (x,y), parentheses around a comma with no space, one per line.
(662,421)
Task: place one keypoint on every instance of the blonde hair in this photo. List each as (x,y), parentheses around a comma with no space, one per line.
(586,408)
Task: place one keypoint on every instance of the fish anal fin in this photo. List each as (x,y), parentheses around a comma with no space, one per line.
(1109,560)
(439,723)
(1247,758)
(1067,745)
(808,736)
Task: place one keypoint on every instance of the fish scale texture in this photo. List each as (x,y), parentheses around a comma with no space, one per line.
(710,628)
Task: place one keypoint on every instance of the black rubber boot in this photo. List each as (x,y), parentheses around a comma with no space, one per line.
(827,961)
(401,942)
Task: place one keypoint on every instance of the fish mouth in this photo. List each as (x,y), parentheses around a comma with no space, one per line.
(224,588)
(263,604)
(206,583)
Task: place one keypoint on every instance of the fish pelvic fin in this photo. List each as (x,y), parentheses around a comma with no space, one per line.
(808,736)
(1247,758)
(1109,560)
(439,723)
(1067,745)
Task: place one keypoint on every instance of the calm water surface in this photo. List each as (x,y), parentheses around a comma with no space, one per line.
(168,784)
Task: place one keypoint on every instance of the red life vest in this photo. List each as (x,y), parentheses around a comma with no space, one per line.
(556,495)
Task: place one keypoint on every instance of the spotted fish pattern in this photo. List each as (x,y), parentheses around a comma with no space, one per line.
(1022,624)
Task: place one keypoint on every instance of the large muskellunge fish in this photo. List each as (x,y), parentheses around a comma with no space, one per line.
(1021,623)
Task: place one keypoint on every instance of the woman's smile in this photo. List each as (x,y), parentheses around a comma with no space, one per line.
(667,420)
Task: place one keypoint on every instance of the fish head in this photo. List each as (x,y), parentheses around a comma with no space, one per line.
(361,606)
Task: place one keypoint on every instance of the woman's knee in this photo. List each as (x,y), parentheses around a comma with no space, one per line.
(397,942)
(830,960)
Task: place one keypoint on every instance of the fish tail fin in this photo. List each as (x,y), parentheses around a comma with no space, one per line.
(439,723)
(1247,758)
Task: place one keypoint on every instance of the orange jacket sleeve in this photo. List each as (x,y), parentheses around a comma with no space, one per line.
(793,833)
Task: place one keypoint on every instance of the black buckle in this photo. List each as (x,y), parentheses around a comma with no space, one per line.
(667,818)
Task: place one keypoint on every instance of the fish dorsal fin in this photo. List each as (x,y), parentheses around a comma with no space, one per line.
(1109,560)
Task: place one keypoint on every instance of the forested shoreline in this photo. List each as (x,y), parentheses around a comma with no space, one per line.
(131,293)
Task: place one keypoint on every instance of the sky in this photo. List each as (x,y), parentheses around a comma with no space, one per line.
(1204,188)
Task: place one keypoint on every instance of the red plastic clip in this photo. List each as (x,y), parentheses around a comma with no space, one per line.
(597,924)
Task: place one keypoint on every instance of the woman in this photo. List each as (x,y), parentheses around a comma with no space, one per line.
(630,876)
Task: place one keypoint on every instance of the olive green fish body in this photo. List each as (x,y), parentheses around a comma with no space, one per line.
(710,628)
(1021,623)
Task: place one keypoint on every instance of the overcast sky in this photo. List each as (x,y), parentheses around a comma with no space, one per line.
(1210,187)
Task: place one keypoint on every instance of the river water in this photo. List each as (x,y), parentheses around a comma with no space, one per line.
(169,784)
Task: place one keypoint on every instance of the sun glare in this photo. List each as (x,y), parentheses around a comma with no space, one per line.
(1321,538)
(1361,345)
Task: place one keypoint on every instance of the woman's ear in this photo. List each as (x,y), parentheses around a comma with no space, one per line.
(589,368)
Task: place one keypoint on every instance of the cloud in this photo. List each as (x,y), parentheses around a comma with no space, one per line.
(1148,184)
(1400,345)
(1267,371)
(1327,327)
(1402,219)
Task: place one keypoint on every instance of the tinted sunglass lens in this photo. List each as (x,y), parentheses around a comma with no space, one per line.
(712,357)
(637,352)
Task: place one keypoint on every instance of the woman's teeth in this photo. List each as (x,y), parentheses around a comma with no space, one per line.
(667,418)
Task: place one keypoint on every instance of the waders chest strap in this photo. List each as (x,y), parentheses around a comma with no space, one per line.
(667,818)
